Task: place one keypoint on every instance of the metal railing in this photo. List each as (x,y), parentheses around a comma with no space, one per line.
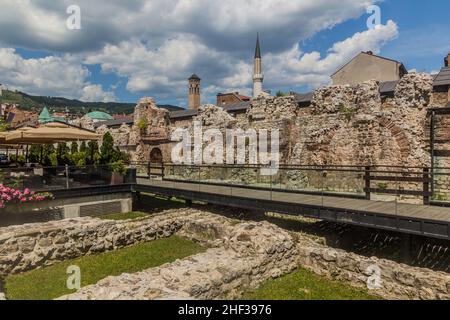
(378,183)
(63,177)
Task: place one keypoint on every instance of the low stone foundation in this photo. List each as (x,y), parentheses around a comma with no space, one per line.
(31,246)
(397,281)
(241,255)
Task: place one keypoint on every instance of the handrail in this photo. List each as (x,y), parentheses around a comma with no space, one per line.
(391,174)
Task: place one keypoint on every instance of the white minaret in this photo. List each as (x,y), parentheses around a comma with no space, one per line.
(258,77)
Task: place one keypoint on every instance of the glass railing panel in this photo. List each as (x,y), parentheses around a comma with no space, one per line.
(343,181)
(441,185)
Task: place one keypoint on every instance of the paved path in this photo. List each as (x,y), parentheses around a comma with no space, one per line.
(404,210)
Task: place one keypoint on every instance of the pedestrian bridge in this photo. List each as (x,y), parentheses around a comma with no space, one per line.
(410,200)
(383,206)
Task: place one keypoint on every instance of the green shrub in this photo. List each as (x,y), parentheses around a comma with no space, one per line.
(382,186)
(74,147)
(110,154)
(118,167)
(348,112)
(62,154)
(93,154)
(142,124)
(19,160)
(83,147)
(78,159)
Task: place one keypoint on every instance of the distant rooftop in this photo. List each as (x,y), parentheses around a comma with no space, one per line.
(442,78)
(99,115)
(370,53)
(114,123)
(194,77)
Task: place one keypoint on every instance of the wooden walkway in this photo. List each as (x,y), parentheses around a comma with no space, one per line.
(410,218)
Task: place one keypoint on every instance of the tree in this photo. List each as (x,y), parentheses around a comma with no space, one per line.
(110,154)
(3,125)
(35,153)
(74,147)
(48,155)
(83,147)
(62,153)
(107,150)
(281,93)
(93,154)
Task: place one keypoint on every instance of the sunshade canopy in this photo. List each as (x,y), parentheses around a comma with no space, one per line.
(49,133)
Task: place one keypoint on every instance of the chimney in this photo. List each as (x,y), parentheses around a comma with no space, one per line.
(447,58)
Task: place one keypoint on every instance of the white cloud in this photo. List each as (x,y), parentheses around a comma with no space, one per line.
(155,45)
(295,68)
(164,71)
(95,93)
(63,76)
(52,75)
(227,25)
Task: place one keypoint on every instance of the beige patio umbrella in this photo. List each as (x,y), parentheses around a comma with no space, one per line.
(50,133)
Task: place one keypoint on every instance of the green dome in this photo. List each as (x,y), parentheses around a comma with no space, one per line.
(99,115)
(45,116)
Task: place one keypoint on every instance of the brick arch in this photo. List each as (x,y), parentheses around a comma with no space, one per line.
(315,150)
(156,155)
(321,151)
(398,134)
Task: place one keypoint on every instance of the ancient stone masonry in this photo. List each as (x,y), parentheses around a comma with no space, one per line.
(151,124)
(346,99)
(211,116)
(85,122)
(351,125)
(414,91)
(271,111)
(397,281)
(120,135)
(345,124)
(31,246)
(241,256)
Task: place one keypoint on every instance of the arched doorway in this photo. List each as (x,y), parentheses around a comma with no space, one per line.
(156,156)
(156,167)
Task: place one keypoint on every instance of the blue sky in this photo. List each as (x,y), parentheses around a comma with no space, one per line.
(150,48)
(424,33)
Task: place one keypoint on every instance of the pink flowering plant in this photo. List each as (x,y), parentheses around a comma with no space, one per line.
(10,195)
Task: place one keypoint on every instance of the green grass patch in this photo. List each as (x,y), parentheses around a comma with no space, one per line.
(152,203)
(50,282)
(125,216)
(306,285)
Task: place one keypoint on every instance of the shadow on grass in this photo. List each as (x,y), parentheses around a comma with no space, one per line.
(50,282)
(425,252)
(302,284)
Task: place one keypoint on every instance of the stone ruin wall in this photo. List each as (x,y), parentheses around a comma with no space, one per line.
(441,98)
(240,255)
(132,138)
(352,125)
(343,125)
